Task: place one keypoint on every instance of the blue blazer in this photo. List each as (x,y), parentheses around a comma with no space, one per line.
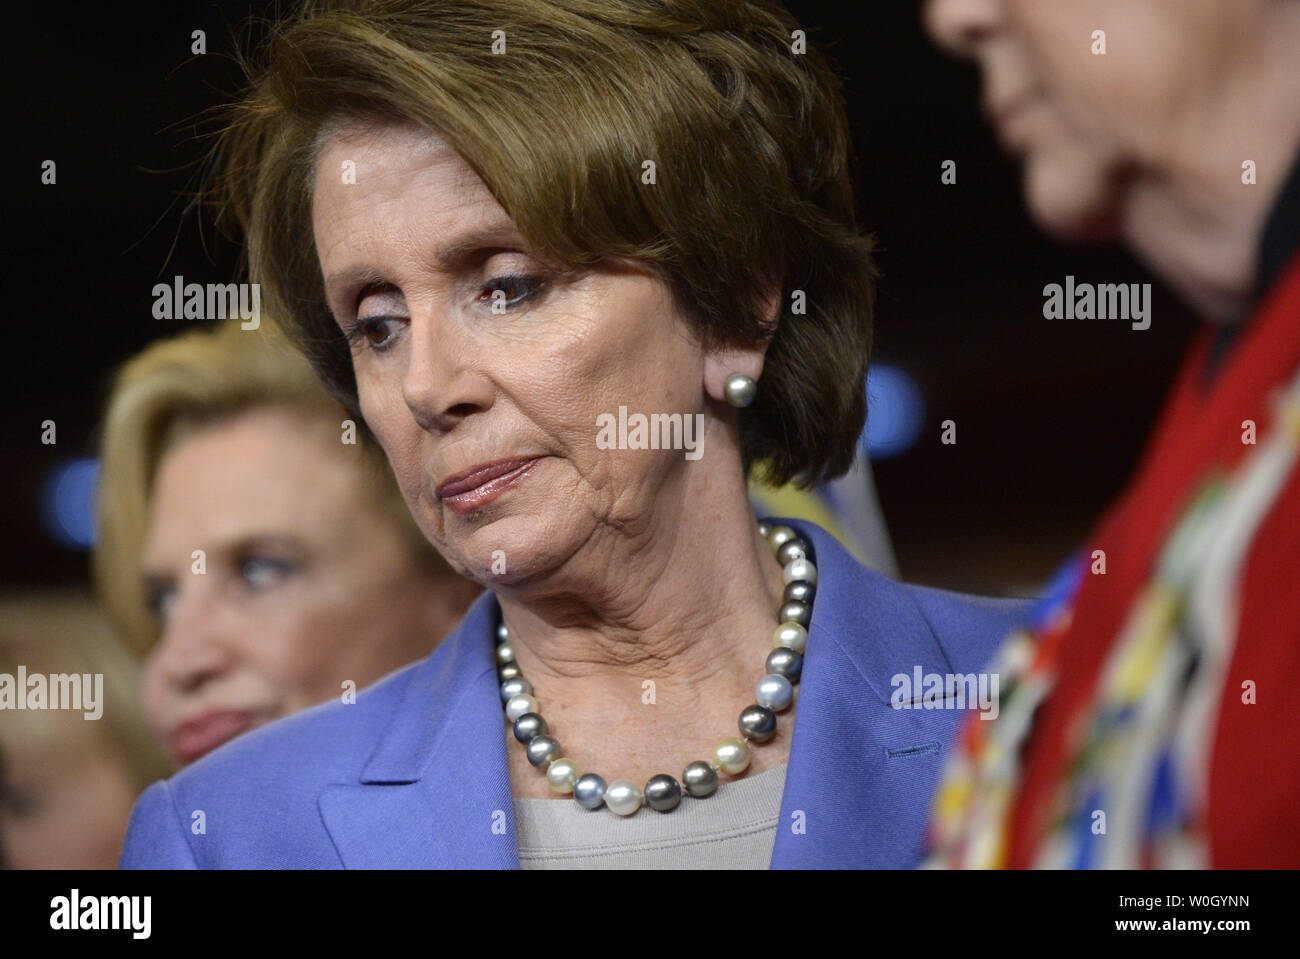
(414,774)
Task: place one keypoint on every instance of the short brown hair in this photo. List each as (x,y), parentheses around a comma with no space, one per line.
(749,136)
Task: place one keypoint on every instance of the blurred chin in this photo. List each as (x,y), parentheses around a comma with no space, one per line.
(1072,200)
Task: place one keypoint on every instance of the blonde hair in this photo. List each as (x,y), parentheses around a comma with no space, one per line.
(176,386)
(65,632)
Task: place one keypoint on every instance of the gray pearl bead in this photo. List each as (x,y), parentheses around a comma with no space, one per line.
(740,390)
(510,671)
(505,654)
(775,692)
(758,723)
(514,687)
(799,592)
(503,634)
(529,725)
(795,612)
(662,793)
(542,749)
(700,779)
(792,550)
(589,791)
(785,662)
(764,528)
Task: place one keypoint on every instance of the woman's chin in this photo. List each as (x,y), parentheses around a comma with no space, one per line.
(504,550)
(1073,203)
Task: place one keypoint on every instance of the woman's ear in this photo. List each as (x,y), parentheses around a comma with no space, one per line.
(719,365)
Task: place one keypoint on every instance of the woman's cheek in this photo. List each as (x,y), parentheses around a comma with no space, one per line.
(293,662)
(376,401)
(394,428)
(153,697)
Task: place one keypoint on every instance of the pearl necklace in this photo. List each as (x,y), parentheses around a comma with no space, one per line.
(757,723)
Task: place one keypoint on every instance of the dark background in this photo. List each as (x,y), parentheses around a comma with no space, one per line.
(1050,415)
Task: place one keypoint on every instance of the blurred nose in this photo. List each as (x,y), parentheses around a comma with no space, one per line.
(959,26)
(443,383)
(193,648)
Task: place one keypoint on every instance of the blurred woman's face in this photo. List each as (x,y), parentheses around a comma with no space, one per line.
(490,418)
(65,798)
(1094,128)
(303,584)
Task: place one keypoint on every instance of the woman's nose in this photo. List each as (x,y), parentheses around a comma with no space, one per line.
(442,383)
(193,648)
(959,26)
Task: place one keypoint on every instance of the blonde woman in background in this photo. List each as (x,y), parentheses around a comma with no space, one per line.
(68,777)
(253,547)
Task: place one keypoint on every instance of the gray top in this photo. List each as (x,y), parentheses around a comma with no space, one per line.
(735,828)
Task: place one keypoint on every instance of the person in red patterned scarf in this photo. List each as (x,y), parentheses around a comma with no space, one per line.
(1149,715)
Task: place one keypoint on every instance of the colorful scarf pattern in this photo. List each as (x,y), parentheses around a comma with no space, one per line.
(1138,755)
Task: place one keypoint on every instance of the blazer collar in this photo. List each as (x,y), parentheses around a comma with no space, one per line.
(436,789)
(860,772)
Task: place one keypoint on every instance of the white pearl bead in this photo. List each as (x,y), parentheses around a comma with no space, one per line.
(799,570)
(779,536)
(732,755)
(775,692)
(792,636)
(516,706)
(623,797)
(562,774)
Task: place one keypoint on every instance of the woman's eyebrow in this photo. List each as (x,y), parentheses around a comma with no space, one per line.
(459,252)
(357,277)
(451,257)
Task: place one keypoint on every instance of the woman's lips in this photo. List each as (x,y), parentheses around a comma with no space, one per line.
(479,486)
(202,735)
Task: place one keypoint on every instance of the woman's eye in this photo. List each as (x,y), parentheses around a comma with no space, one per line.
(263,572)
(18,802)
(375,331)
(161,599)
(512,290)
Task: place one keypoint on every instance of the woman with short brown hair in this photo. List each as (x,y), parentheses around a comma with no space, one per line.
(580,266)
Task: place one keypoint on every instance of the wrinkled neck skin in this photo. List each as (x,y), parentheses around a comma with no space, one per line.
(1189,217)
(672,590)
(682,596)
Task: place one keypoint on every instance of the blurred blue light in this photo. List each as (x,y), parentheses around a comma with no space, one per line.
(68,504)
(895,412)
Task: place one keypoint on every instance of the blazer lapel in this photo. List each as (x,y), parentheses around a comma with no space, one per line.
(436,790)
(860,772)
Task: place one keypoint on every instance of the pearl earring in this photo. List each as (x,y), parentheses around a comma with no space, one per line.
(740,389)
